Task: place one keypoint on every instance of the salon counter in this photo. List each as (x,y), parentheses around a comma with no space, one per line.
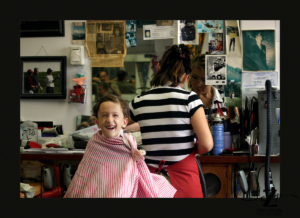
(214,159)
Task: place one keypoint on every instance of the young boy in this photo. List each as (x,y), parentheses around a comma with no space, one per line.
(111,166)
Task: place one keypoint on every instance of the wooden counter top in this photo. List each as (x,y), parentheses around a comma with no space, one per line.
(214,159)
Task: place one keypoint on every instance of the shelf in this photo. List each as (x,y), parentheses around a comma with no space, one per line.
(215,159)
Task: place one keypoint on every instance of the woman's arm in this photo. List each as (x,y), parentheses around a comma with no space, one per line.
(132,125)
(200,126)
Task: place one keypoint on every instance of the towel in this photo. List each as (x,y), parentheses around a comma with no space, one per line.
(114,168)
(28,189)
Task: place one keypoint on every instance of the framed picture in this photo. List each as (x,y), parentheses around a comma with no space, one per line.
(39,28)
(43,77)
(215,70)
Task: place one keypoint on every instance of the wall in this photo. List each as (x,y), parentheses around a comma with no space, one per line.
(57,110)
(61,112)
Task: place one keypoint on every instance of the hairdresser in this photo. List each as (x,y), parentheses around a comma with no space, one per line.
(212,98)
(168,116)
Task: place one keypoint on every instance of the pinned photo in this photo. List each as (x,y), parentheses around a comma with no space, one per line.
(210,26)
(215,43)
(215,70)
(233,45)
(187,32)
(258,50)
(130,25)
(234,80)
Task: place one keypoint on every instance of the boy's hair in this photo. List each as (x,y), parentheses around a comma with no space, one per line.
(113,98)
(175,62)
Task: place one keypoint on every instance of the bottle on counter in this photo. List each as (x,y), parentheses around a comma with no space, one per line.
(218,135)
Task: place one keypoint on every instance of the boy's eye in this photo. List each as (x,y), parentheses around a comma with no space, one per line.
(104,115)
(116,115)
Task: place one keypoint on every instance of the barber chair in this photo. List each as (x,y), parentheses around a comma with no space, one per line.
(202,179)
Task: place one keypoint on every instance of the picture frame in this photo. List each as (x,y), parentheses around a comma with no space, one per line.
(47,85)
(37,28)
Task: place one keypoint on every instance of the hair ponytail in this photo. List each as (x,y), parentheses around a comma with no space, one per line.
(175,62)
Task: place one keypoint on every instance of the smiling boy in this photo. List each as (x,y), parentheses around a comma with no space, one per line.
(111,166)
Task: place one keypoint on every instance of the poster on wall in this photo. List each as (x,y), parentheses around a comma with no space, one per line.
(130,36)
(78,32)
(152,32)
(187,32)
(105,42)
(215,43)
(234,79)
(215,70)
(233,45)
(131,40)
(258,50)
(130,26)
(210,26)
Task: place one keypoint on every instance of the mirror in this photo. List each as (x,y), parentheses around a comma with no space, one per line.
(134,78)
(84,121)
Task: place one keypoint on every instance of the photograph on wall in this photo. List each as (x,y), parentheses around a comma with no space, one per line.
(187,32)
(215,43)
(131,40)
(130,35)
(131,26)
(152,32)
(210,26)
(258,50)
(215,70)
(78,32)
(233,45)
(234,79)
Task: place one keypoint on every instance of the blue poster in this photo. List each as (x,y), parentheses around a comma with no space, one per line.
(131,26)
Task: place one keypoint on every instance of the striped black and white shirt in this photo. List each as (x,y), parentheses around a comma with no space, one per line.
(164,116)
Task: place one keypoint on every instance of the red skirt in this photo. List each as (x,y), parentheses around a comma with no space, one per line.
(184,176)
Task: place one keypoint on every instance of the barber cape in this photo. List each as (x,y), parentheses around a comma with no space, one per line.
(114,168)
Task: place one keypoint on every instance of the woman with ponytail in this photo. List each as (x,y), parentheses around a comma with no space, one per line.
(168,116)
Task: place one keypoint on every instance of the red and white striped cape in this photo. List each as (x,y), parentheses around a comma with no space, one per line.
(109,169)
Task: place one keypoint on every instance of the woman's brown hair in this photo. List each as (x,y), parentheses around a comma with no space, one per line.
(175,62)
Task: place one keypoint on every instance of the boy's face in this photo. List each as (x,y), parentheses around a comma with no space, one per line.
(111,119)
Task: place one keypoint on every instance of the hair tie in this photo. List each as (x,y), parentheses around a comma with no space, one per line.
(181,55)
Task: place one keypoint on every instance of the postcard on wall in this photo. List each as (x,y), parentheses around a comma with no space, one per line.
(258,79)
(258,50)
(78,32)
(151,32)
(210,26)
(164,23)
(187,32)
(215,43)
(105,42)
(234,79)
(130,26)
(215,70)
(233,45)
(131,40)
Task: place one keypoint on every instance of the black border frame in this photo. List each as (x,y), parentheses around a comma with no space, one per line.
(62,59)
(41,29)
